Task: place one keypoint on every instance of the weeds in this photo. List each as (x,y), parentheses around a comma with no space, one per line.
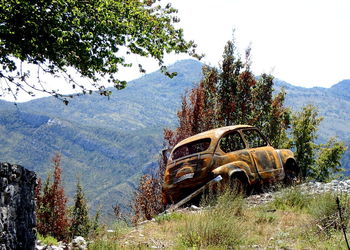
(291,198)
(324,210)
(167,217)
(220,226)
(109,239)
(47,240)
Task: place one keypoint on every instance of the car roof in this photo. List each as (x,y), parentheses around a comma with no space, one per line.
(213,133)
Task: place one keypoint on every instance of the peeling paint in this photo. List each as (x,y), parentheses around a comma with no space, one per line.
(255,160)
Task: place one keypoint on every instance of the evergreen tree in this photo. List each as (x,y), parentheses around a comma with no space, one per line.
(80,225)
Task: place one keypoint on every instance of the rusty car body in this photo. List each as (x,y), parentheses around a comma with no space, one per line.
(240,154)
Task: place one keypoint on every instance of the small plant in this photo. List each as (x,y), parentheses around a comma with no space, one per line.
(108,239)
(167,217)
(265,217)
(324,210)
(291,198)
(190,239)
(222,226)
(47,240)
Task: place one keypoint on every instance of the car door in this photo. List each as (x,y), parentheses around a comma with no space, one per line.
(265,157)
(232,149)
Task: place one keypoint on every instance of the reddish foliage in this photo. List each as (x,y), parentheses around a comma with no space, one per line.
(51,205)
(147,201)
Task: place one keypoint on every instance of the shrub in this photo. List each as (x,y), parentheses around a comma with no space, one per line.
(291,198)
(323,208)
(47,240)
(221,226)
(167,217)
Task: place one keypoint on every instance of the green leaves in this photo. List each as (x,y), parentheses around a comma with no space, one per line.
(319,161)
(85,35)
(328,164)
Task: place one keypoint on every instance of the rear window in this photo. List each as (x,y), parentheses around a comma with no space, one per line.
(191,148)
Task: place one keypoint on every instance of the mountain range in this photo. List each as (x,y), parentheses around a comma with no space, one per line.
(109,143)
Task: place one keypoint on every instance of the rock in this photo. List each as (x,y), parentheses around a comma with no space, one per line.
(79,243)
(17,206)
(194,208)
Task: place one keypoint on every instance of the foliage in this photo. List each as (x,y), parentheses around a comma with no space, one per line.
(168,216)
(47,240)
(324,210)
(232,95)
(320,161)
(80,222)
(217,227)
(328,164)
(304,133)
(91,37)
(148,198)
(51,205)
(109,240)
(291,198)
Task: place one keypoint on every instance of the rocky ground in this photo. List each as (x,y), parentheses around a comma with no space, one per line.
(312,187)
(77,243)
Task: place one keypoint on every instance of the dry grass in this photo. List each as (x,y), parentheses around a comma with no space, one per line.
(232,224)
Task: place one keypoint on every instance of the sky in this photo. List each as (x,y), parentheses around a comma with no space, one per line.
(303,42)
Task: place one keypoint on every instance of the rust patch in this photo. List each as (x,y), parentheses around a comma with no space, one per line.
(190,172)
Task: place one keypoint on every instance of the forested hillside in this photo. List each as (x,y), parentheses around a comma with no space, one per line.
(109,142)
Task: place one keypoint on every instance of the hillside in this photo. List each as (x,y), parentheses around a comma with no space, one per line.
(108,143)
(301,217)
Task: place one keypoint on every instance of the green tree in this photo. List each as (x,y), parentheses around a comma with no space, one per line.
(80,225)
(90,36)
(304,133)
(328,164)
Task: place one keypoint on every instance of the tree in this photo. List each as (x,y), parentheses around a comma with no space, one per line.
(89,36)
(328,164)
(147,200)
(232,95)
(304,133)
(318,161)
(51,205)
(80,225)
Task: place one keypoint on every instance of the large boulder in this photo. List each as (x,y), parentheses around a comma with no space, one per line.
(17,207)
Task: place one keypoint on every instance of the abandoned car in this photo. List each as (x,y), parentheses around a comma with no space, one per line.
(240,154)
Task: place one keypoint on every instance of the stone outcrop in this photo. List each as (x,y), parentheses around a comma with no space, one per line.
(17,207)
(312,187)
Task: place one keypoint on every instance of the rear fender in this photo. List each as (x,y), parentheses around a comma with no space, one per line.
(232,168)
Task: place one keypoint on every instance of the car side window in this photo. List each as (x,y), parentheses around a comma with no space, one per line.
(254,138)
(231,142)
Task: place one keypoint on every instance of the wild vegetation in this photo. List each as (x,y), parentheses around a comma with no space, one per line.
(54,219)
(233,95)
(295,220)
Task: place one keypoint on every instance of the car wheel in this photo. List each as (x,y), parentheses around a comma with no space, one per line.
(291,173)
(238,186)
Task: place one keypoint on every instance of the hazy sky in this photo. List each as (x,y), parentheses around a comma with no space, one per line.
(303,42)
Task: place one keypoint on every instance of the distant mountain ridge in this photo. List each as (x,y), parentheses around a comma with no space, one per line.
(108,143)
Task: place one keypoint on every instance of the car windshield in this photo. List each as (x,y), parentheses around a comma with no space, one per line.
(191,148)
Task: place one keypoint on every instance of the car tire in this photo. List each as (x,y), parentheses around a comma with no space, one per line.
(291,172)
(238,186)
